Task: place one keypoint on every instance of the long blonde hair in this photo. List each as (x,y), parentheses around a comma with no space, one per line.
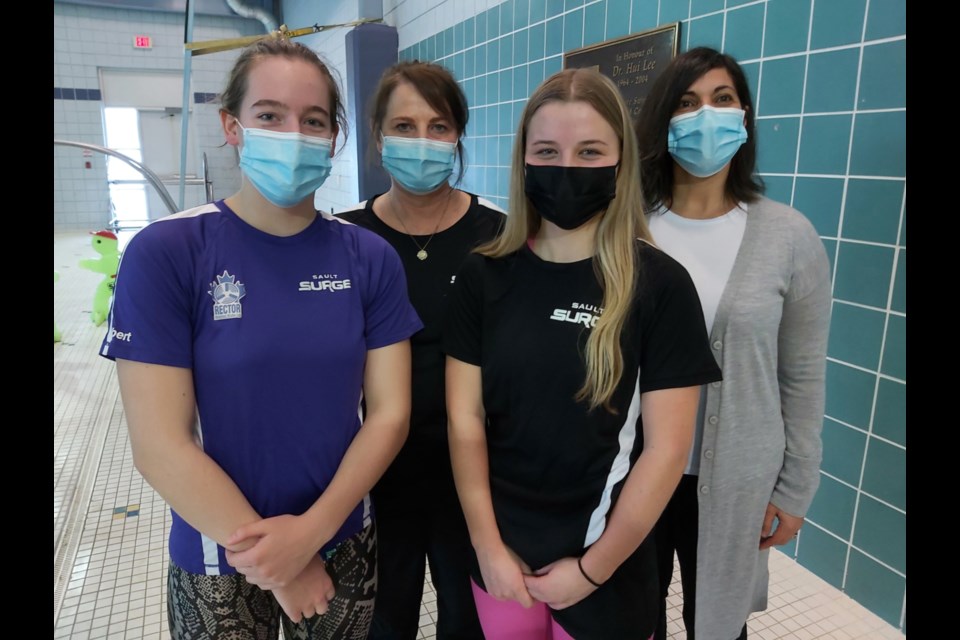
(623,222)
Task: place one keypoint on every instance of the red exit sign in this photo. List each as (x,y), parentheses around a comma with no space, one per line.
(142,42)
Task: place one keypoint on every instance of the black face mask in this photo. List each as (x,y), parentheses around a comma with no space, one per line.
(569,197)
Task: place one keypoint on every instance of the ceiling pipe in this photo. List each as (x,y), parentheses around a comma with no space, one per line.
(245,11)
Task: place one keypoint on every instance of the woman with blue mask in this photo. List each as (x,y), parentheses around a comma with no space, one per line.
(246,332)
(418,115)
(764,282)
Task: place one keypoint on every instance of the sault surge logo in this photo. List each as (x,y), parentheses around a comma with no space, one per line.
(579,313)
(226,293)
(325,282)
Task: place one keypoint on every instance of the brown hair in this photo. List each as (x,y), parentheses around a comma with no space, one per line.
(232,96)
(437,86)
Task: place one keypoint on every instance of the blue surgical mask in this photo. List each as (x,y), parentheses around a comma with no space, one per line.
(420,165)
(285,167)
(704,141)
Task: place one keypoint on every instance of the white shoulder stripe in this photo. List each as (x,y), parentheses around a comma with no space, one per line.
(489,205)
(333,218)
(210,207)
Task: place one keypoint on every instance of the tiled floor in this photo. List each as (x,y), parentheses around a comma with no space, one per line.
(110,526)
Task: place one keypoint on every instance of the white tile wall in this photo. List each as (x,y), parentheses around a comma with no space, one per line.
(90,38)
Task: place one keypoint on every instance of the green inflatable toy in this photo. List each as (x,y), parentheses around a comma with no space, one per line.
(105,243)
(56,332)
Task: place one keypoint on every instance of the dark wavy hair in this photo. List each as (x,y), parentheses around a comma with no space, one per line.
(232,96)
(437,86)
(653,123)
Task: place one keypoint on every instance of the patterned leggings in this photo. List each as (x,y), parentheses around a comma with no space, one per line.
(201,607)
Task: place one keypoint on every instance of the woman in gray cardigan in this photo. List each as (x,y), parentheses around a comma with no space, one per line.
(764,283)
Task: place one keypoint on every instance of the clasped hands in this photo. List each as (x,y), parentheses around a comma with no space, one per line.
(506,577)
(279,554)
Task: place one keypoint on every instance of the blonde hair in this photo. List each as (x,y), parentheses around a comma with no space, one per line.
(623,222)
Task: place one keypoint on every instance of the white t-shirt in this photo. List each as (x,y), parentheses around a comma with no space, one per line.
(707,249)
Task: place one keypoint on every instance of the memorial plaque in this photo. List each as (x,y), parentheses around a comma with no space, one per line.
(633,62)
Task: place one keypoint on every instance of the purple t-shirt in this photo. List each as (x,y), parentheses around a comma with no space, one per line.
(276,331)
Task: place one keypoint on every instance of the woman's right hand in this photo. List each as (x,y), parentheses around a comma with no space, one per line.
(503,572)
(308,594)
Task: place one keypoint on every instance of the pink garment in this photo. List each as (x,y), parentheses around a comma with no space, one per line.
(508,620)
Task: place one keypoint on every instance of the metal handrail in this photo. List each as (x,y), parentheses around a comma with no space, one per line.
(207,183)
(193,182)
(152,177)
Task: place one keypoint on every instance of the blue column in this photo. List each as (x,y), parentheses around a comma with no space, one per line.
(371,49)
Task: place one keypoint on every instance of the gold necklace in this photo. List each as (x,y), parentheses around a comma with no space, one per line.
(421,251)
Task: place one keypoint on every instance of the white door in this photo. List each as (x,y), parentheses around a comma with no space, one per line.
(160,140)
(157,97)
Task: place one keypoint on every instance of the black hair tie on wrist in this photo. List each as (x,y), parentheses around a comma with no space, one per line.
(584,574)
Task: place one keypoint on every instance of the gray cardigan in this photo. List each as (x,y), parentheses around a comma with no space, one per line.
(762,423)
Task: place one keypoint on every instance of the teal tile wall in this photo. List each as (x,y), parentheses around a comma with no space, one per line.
(884,475)
(782,90)
(895,349)
(831,248)
(700,7)
(594,23)
(887,19)
(618,18)
(554,36)
(833,507)
(856,335)
(899,301)
(880,530)
(787,27)
(890,419)
(779,188)
(744,38)
(829,81)
(674,10)
(863,273)
(822,553)
(824,144)
(873,210)
(537,10)
(876,587)
(843,451)
(850,393)
(821,200)
(777,140)
(837,23)
(883,76)
(880,144)
(643,15)
(573,30)
(706,32)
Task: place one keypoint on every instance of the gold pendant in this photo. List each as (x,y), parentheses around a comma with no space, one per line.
(422,255)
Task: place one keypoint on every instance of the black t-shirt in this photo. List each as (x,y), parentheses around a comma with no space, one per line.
(428,282)
(556,468)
